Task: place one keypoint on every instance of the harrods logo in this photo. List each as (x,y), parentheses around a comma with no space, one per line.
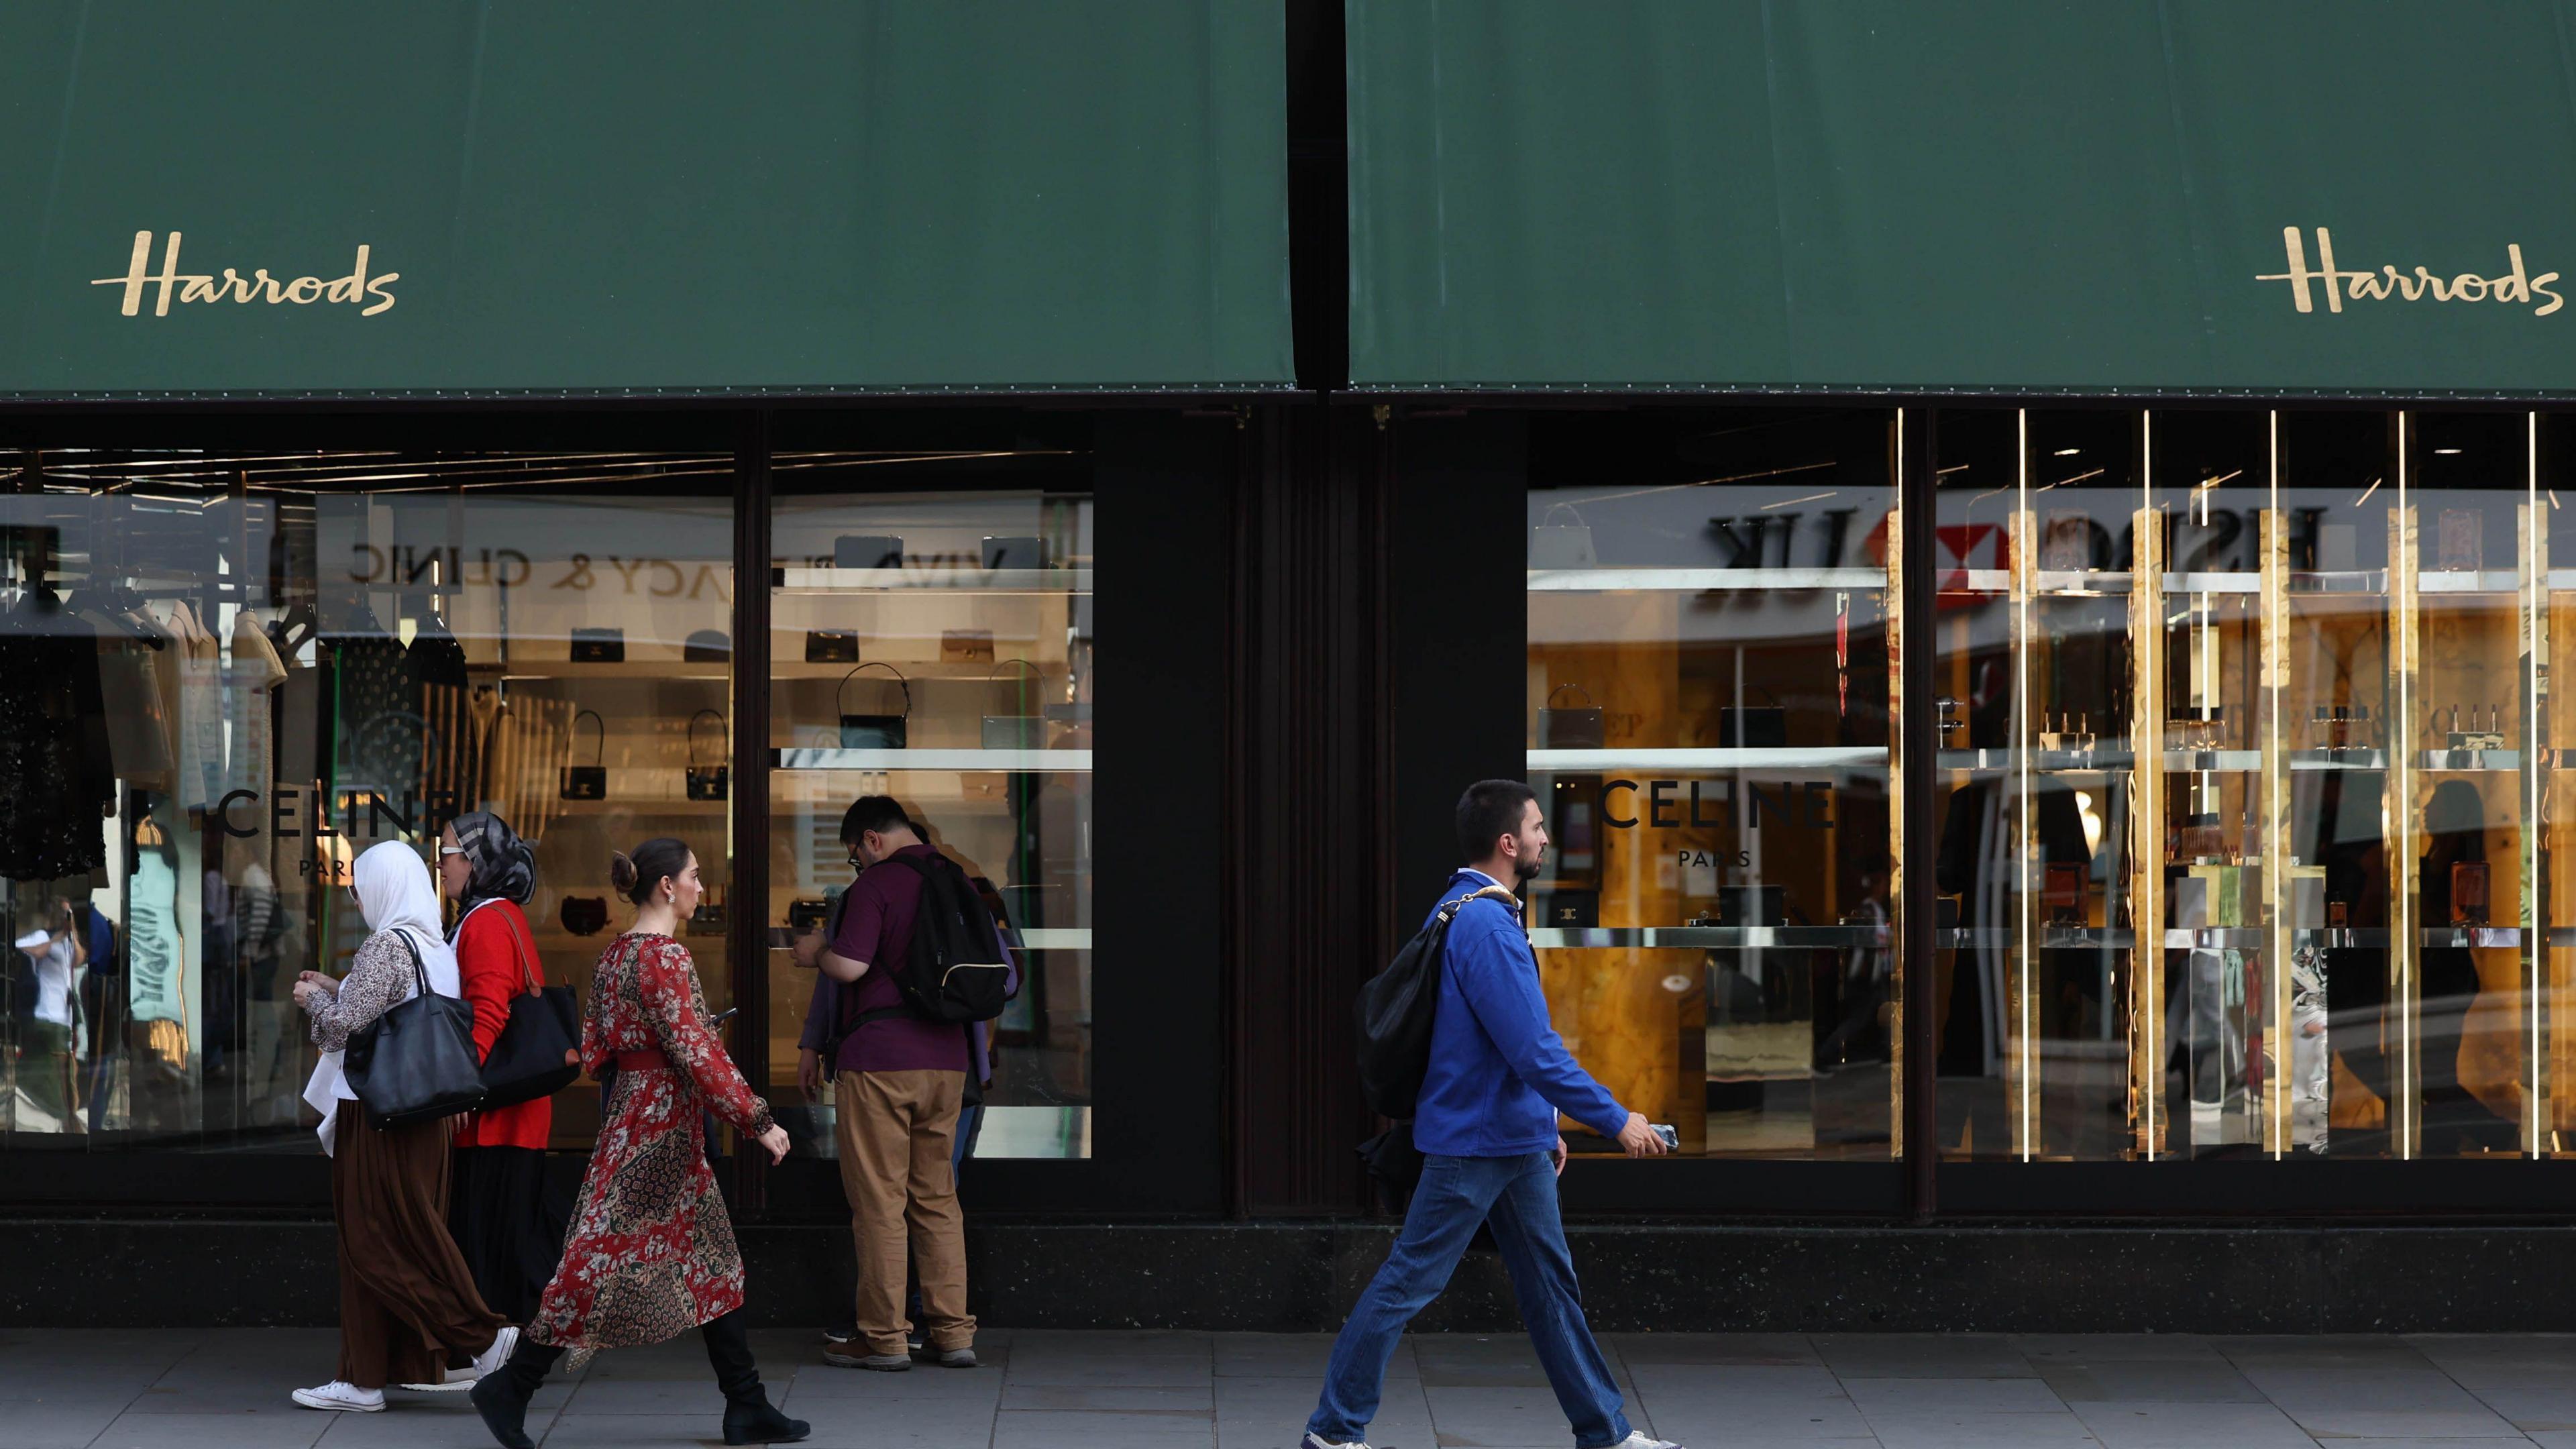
(2414,285)
(359,286)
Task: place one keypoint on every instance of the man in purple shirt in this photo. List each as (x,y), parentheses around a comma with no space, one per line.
(899,1084)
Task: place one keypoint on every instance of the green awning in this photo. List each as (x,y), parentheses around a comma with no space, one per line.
(649,194)
(1964,194)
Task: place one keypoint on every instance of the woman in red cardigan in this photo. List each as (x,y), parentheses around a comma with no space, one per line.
(503,1218)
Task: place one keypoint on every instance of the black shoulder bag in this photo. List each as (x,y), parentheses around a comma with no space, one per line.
(539,1050)
(416,1062)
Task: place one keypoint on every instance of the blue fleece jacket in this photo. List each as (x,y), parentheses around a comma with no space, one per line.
(1499,1073)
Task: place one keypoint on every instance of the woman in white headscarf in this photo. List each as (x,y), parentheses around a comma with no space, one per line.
(407,1299)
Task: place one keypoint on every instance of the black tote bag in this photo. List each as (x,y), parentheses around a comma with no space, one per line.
(538,1052)
(416,1062)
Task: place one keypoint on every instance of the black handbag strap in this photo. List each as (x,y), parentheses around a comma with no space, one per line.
(419,971)
(693,735)
(601,757)
(900,682)
(521,948)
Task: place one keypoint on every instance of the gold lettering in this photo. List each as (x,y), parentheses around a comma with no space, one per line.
(269,283)
(2298,274)
(2461,284)
(304,291)
(2540,285)
(2514,285)
(2514,288)
(2364,285)
(199,289)
(242,288)
(2412,290)
(2441,293)
(376,288)
(2325,259)
(132,281)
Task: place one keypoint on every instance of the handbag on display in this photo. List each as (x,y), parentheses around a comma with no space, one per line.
(831,646)
(875,731)
(966,646)
(599,646)
(867,551)
(585,915)
(708,782)
(539,1050)
(1578,727)
(416,1063)
(588,782)
(708,919)
(1011,552)
(706,646)
(1024,730)
(1555,545)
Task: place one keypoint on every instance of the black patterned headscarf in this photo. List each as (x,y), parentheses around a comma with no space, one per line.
(497,861)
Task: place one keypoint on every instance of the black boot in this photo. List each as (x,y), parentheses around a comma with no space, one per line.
(502,1395)
(749,1416)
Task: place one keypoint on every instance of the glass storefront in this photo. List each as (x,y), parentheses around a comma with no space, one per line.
(2247,785)
(1708,707)
(932,639)
(229,673)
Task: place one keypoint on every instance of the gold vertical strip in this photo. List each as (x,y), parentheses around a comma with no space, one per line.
(2147,830)
(2020,1051)
(2273,651)
(2403,832)
(2534,762)
(1895,616)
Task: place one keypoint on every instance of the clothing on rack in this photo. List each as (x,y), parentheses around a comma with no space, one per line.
(250,704)
(450,747)
(379,729)
(56,778)
(191,671)
(526,746)
(138,722)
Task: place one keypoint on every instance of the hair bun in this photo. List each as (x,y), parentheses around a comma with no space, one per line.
(621,872)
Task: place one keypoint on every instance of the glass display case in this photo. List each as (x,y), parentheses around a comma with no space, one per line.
(2247,785)
(932,640)
(1709,697)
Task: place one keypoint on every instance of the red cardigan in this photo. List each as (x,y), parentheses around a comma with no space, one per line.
(489,950)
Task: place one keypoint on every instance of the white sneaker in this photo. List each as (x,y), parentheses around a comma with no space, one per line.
(1318,1441)
(498,1354)
(1638,1439)
(345,1396)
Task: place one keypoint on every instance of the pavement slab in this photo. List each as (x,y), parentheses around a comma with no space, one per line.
(227,1389)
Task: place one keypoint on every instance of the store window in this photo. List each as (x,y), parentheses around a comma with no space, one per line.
(1709,699)
(228,673)
(932,640)
(2246,783)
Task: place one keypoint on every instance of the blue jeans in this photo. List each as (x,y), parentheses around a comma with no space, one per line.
(1518,1195)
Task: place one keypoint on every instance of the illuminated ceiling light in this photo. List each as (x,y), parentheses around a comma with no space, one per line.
(2068,452)
(2447,452)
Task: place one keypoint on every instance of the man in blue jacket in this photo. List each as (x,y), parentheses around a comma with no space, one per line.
(1486,1126)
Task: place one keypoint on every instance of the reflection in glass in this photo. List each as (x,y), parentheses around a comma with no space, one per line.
(932,640)
(1709,697)
(228,674)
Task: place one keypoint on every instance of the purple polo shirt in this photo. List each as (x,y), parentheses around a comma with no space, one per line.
(876,927)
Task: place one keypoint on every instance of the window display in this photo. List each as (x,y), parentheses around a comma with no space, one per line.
(1709,699)
(932,641)
(2246,775)
(223,675)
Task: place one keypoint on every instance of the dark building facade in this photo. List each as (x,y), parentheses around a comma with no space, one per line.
(2013,542)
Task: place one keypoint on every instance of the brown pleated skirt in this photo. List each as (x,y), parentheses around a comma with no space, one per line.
(407,1299)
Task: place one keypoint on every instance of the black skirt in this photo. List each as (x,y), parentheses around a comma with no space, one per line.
(509,1224)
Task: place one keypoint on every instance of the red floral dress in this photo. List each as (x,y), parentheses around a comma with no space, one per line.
(651,1252)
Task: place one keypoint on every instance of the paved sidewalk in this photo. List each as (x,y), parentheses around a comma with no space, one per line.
(227,1389)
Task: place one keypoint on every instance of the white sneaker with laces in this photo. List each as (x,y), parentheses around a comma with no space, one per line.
(1639,1439)
(454,1381)
(344,1396)
(1317,1441)
(499,1353)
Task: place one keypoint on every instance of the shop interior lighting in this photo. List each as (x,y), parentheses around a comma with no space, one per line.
(2068,452)
(2446,452)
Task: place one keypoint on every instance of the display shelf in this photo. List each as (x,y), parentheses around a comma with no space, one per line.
(1650,580)
(1792,757)
(641,670)
(1661,938)
(2240,938)
(792,580)
(1025,762)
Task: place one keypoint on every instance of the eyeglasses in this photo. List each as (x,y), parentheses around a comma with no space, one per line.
(444,851)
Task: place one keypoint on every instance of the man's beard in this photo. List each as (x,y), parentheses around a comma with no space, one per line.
(1526,869)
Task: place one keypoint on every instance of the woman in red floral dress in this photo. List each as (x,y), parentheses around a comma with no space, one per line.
(651,1253)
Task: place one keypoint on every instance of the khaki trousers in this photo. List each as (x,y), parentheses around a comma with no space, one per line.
(897,1131)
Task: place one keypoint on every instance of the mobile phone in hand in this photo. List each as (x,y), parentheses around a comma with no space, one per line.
(1672,1139)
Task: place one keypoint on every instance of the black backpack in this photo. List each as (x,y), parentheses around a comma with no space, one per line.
(1396,1008)
(957,970)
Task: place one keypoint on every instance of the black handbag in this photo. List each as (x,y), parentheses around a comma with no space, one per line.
(599,646)
(875,731)
(706,646)
(416,1063)
(589,782)
(831,646)
(585,915)
(706,782)
(538,1052)
(1579,728)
